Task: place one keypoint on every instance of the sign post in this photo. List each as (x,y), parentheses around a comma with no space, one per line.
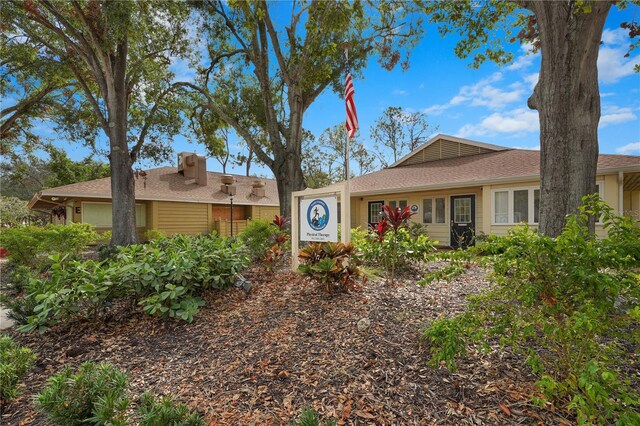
(314,217)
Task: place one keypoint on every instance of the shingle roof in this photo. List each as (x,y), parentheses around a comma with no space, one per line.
(164,183)
(512,164)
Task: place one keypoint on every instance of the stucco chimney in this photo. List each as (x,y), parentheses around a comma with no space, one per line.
(201,170)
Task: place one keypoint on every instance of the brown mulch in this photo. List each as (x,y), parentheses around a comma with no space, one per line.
(261,357)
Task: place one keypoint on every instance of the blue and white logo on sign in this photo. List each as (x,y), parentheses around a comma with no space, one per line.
(318,215)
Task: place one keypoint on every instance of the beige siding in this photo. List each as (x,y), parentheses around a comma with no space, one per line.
(441,232)
(224,230)
(610,196)
(631,204)
(436,231)
(183,218)
(263,212)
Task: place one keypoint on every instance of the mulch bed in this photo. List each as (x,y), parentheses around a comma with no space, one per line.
(261,357)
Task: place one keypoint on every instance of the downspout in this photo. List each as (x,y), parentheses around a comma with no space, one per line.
(620,193)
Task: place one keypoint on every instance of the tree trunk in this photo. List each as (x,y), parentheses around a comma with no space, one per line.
(568,102)
(123,196)
(289,178)
(122,187)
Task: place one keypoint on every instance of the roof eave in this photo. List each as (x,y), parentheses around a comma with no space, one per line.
(143,198)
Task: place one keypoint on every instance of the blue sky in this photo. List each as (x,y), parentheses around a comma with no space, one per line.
(487,104)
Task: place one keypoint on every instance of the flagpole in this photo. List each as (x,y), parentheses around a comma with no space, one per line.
(347,226)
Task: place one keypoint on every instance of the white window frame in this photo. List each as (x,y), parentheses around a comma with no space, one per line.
(369,210)
(138,225)
(531,210)
(433,210)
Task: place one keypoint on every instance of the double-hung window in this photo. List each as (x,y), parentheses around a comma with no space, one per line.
(433,210)
(511,206)
(401,203)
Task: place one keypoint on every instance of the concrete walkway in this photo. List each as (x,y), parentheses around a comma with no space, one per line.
(5,322)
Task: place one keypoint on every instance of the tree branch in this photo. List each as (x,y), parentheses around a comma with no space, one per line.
(276,46)
(135,151)
(244,133)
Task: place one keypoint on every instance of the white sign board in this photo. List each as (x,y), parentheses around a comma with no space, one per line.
(319,219)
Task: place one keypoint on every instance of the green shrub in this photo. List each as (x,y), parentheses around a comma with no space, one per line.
(309,417)
(570,305)
(459,263)
(333,265)
(417,229)
(30,245)
(75,288)
(391,249)
(20,284)
(95,394)
(15,363)
(257,238)
(154,234)
(166,277)
(165,411)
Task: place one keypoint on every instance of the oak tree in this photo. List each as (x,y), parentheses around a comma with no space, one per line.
(567,97)
(285,55)
(117,55)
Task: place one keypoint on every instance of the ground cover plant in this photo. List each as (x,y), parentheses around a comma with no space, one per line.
(98,394)
(166,277)
(15,363)
(94,394)
(163,411)
(571,306)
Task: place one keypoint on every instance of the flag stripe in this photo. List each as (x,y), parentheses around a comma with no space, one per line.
(352,116)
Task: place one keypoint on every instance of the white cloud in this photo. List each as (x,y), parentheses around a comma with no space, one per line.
(399,92)
(616,36)
(483,93)
(518,122)
(525,60)
(532,79)
(182,70)
(421,86)
(630,148)
(532,148)
(612,65)
(436,109)
(616,115)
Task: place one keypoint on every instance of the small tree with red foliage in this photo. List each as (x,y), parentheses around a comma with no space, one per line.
(387,234)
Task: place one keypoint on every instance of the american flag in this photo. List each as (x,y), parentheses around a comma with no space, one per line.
(352,116)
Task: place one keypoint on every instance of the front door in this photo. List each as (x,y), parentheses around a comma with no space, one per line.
(463,213)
